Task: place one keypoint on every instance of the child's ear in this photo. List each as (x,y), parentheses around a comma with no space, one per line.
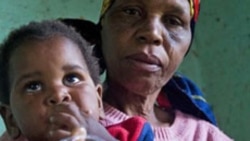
(99,90)
(9,121)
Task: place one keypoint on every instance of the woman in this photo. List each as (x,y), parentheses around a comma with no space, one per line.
(182,93)
(143,43)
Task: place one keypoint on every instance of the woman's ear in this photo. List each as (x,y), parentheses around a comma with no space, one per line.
(9,121)
(99,90)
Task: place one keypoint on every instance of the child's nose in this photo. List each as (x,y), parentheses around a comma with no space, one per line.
(58,96)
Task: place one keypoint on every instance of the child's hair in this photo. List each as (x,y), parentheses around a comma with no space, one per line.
(41,31)
(92,33)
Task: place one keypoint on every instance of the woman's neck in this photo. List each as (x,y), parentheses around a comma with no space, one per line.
(134,104)
(129,103)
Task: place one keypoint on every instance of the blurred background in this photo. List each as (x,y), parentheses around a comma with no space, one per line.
(218,60)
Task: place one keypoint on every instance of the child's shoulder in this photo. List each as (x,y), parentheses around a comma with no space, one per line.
(5,137)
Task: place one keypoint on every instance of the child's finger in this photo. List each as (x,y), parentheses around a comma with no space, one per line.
(78,134)
(56,135)
(65,121)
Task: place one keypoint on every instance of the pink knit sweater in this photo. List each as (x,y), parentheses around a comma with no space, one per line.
(184,128)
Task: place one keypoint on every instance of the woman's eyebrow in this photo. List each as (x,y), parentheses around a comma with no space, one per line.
(177,9)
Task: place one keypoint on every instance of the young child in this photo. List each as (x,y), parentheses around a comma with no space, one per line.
(50,88)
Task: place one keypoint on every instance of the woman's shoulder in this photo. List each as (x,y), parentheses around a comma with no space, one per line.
(198,129)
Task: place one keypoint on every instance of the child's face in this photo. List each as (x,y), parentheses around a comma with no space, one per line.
(46,76)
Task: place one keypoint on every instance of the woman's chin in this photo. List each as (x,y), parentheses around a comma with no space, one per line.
(144,87)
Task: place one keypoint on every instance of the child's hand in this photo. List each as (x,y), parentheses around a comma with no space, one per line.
(67,119)
(79,134)
(64,119)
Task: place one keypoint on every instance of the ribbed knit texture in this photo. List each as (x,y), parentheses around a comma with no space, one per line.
(184,127)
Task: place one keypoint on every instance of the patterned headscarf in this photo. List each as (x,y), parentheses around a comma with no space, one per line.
(194,10)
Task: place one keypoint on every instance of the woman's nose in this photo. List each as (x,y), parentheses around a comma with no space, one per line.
(150,32)
(57,96)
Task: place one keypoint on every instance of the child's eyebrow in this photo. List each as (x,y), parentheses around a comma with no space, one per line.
(28,75)
(73,67)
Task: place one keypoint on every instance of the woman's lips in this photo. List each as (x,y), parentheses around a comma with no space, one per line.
(145,62)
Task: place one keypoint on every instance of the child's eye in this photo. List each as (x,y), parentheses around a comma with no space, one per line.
(33,86)
(71,79)
(132,11)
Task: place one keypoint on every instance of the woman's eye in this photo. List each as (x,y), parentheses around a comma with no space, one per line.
(71,79)
(33,86)
(172,21)
(132,11)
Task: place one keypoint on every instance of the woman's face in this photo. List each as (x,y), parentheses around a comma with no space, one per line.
(144,42)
